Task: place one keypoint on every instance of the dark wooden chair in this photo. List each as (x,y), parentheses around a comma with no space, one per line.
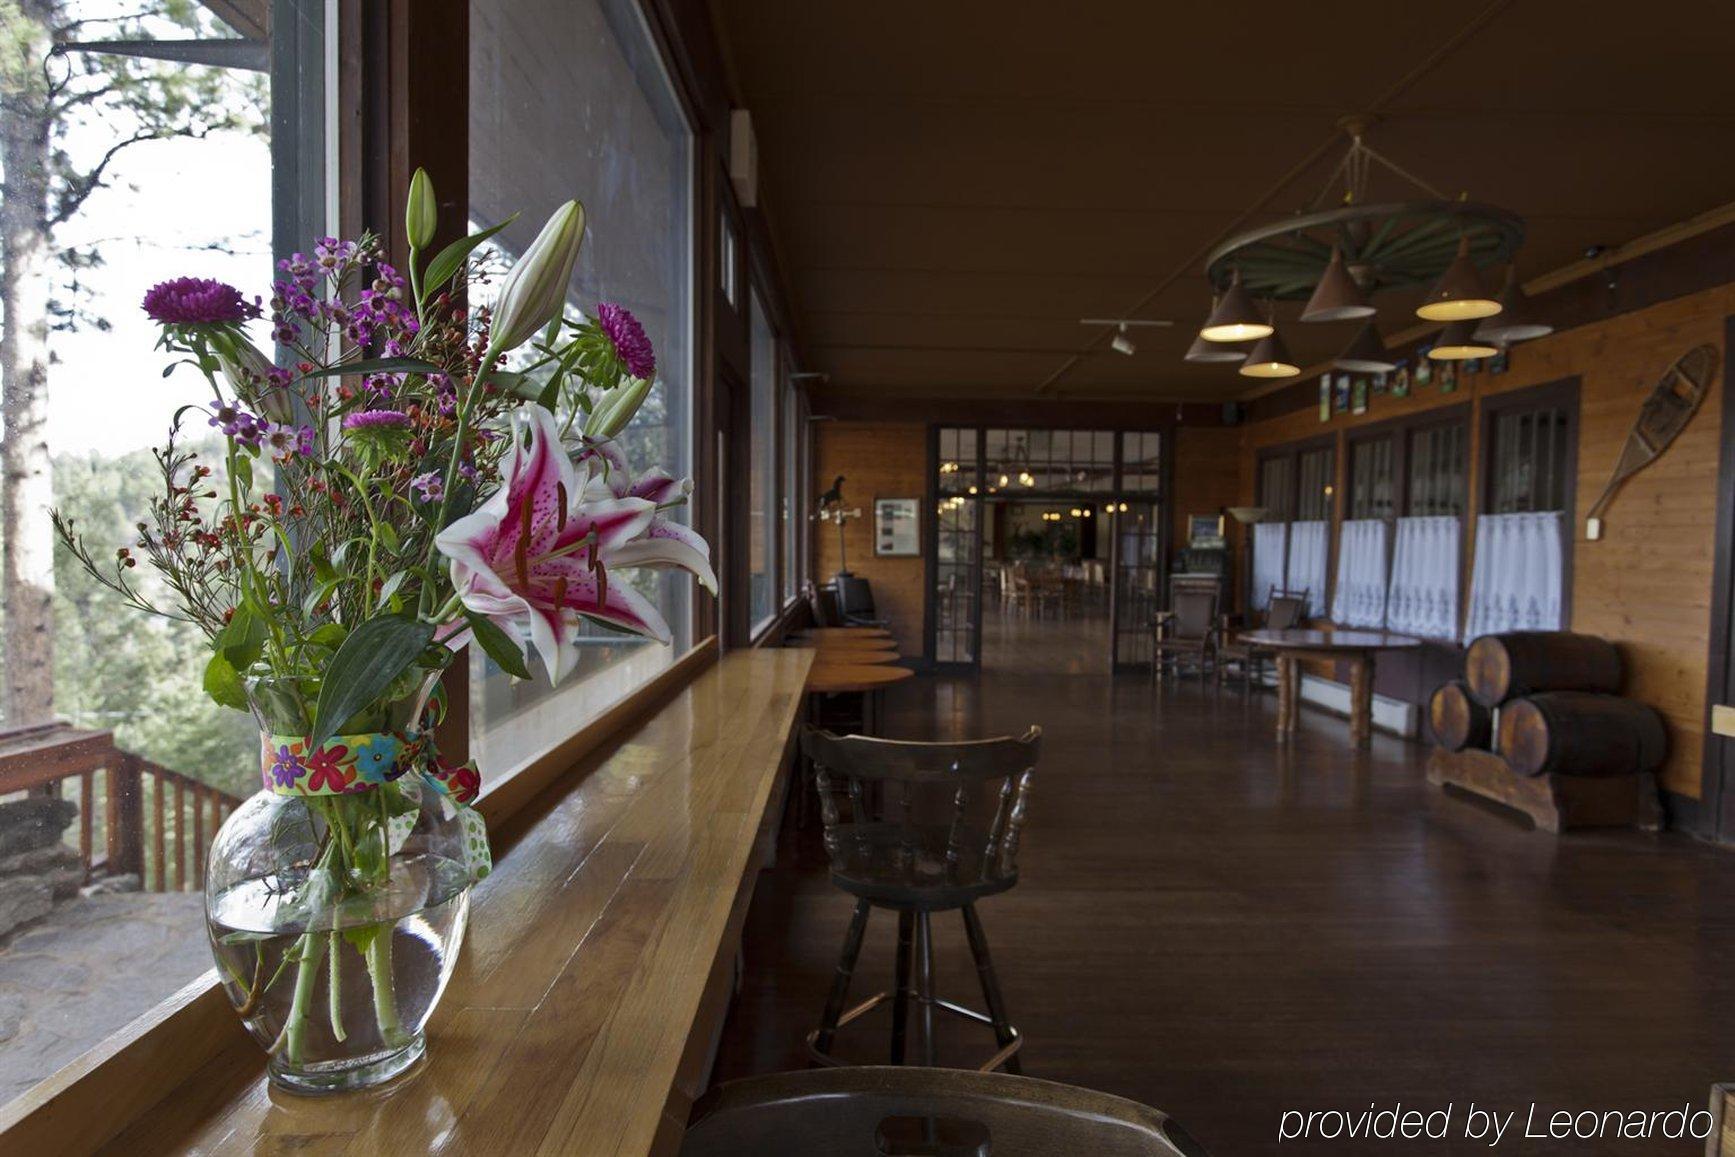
(823,604)
(920,828)
(1188,628)
(895,1112)
(855,602)
(1284,610)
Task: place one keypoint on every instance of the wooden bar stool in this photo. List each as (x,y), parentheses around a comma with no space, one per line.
(920,828)
(927,1112)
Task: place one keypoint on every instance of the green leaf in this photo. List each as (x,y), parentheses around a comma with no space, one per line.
(391,585)
(223,683)
(375,653)
(388,536)
(242,639)
(330,636)
(448,261)
(376,366)
(549,398)
(498,645)
(244,473)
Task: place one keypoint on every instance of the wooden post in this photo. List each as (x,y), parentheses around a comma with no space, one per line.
(86,805)
(1361,701)
(180,837)
(159,882)
(125,817)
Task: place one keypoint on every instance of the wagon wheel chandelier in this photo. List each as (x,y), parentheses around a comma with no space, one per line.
(1337,258)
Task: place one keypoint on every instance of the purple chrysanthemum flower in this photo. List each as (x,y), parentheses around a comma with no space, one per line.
(197,301)
(430,486)
(377,420)
(628,336)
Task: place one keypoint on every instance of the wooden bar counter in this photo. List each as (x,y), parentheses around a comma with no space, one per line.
(597,967)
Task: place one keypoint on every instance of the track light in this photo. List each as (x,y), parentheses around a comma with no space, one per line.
(1366,354)
(1458,343)
(1337,297)
(1514,322)
(1270,359)
(1458,295)
(1235,318)
(1122,344)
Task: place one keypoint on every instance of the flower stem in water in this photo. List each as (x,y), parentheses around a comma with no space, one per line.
(379,968)
(334,989)
(307,972)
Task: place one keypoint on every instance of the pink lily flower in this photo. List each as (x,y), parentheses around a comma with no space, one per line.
(540,550)
(665,542)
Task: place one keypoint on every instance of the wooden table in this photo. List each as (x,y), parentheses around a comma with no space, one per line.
(598,965)
(852,656)
(828,634)
(844,645)
(1357,648)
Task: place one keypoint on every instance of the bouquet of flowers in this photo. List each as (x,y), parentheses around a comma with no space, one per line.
(389,492)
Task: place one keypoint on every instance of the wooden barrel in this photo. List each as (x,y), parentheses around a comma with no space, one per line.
(1458,720)
(1580,733)
(1502,667)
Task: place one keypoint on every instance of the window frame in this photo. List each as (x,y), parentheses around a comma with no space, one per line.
(1563,394)
(1287,456)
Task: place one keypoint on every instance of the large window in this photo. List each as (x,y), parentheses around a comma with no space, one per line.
(762,528)
(572,100)
(1292,548)
(1529,449)
(794,427)
(1436,467)
(123,169)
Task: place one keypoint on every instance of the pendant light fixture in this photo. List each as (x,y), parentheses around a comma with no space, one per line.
(1203,352)
(1367,354)
(1337,297)
(1458,343)
(1458,295)
(1514,322)
(1270,359)
(1236,318)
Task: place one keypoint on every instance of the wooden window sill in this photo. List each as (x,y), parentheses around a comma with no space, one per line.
(596,964)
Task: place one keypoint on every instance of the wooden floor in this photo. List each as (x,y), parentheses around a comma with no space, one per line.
(1227,929)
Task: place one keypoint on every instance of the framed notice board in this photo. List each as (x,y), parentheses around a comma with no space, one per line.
(897,527)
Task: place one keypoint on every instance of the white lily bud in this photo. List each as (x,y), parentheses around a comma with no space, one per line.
(534,292)
(421,211)
(617,408)
(248,373)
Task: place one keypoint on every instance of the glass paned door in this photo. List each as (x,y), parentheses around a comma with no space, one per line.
(957,580)
(1137,579)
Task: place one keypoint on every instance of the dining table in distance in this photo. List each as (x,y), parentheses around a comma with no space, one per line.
(1358,648)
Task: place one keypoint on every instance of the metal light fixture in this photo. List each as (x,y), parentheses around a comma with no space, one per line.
(1514,322)
(1458,343)
(1236,318)
(1337,297)
(1459,294)
(1270,359)
(1367,354)
(1203,352)
(1122,344)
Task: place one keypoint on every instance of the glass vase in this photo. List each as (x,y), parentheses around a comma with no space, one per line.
(336,916)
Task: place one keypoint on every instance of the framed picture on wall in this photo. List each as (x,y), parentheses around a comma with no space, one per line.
(897,527)
(1205,530)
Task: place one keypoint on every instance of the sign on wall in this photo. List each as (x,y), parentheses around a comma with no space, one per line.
(897,531)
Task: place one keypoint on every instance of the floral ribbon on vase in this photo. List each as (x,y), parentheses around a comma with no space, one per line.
(350,764)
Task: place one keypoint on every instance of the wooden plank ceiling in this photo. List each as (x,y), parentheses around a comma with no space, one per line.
(951,187)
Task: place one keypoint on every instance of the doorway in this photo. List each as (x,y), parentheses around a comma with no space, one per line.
(1047,548)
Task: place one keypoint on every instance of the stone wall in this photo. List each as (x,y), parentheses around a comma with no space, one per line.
(37,869)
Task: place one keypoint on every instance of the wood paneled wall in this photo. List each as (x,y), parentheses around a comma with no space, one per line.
(1206,478)
(1647,582)
(877,460)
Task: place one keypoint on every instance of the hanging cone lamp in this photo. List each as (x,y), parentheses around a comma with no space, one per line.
(1203,352)
(1514,322)
(1459,294)
(1236,318)
(1337,297)
(1270,359)
(1458,343)
(1367,354)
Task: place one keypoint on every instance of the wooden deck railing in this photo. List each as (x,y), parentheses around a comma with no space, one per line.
(134,816)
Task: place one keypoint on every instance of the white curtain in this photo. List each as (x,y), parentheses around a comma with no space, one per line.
(1424,593)
(1360,597)
(1308,546)
(1268,540)
(1516,582)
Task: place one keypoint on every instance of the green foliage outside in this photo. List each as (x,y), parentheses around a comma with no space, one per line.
(117,668)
